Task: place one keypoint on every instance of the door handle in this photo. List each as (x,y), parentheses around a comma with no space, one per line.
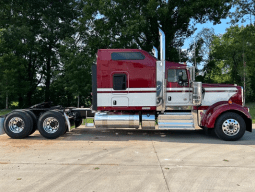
(114,102)
(169,98)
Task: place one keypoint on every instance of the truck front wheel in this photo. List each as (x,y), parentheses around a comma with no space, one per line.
(230,126)
(51,124)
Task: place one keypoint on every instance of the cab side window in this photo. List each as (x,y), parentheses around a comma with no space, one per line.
(172,75)
(119,82)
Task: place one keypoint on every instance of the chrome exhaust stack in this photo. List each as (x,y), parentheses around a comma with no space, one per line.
(162,47)
(161,81)
(155,52)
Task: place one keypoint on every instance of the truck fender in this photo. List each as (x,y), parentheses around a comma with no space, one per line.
(214,111)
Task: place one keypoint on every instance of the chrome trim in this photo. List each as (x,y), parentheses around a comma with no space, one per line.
(176,116)
(243,97)
(103,120)
(16,125)
(68,122)
(148,121)
(176,120)
(197,93)
(160,87)
(231,127)
(162,45)
(176,128)
(49,127)
(163,66)
(160,77)
(184,107)
(155,51)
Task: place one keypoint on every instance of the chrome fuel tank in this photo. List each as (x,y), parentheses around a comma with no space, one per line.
(104,120)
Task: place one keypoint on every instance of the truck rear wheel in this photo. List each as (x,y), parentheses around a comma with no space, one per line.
(230,127)
(18,125)
(34,119)
(51,124)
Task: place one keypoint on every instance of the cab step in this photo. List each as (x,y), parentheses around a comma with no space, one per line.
(176,121)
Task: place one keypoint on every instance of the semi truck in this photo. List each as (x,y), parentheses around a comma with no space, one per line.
(133,89)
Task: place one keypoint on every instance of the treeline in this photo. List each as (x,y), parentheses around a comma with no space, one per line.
(232,59)
(47,47)
(229,57)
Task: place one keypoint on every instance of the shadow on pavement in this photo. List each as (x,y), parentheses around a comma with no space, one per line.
(177,136)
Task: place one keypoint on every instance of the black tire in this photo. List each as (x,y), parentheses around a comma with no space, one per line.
(56,124)
(34,119)
(23,120)
(78,123)
(232,131)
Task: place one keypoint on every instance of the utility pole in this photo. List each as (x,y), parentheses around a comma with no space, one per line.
(195,46)
(244,66)
(6,101)
(179,54)
(78,101)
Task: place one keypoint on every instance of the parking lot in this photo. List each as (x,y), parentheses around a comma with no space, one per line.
(127,160)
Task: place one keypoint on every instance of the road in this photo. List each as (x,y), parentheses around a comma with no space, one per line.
(96,160)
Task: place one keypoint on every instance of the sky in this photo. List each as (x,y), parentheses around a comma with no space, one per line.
(218,29)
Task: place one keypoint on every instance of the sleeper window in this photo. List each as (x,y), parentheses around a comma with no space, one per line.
(119,82)
(127,56)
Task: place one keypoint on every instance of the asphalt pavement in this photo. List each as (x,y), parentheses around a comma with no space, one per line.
(112,160)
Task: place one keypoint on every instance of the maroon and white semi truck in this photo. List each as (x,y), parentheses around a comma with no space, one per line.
(133,89)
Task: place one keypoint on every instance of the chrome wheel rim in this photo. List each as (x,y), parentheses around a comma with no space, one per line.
(231,127)
(50,125)
(16,125)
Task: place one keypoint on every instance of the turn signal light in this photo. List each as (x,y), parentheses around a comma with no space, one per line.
(230,102)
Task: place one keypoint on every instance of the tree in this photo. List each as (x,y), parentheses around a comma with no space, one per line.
(200,49)
(232,58)
(245,10)
(34,31)
(134,24)
(74,78)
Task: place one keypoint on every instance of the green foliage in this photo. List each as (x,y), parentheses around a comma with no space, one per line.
(134,24)
(245,10)
(32,34)
(4,112)
(233,58)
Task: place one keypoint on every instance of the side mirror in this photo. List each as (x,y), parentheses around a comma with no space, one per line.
(180,80)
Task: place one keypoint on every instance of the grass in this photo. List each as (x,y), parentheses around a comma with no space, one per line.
(5,111)
(252,110)
(87,121)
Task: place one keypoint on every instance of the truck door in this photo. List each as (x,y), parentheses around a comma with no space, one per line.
(178,94)
(119,96)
